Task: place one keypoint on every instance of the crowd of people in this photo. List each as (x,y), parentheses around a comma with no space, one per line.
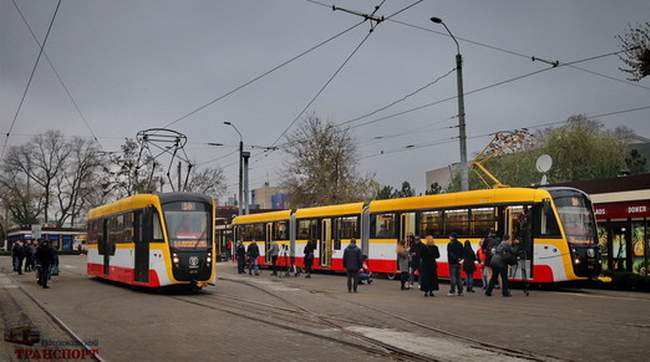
(416,263)
(32,256)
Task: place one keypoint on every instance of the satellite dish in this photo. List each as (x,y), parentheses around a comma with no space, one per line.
(544,163)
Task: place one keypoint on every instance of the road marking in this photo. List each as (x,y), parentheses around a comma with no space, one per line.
(438,349)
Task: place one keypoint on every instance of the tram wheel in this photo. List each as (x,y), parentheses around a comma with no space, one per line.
(391,276)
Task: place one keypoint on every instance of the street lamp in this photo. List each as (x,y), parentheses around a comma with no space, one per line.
(241,169)
(464,170)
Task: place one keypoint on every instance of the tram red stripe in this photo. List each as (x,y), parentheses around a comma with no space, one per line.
(541,273)
(122,275)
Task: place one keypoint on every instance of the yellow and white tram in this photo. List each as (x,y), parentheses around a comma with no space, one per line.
(555,225)
(153,240)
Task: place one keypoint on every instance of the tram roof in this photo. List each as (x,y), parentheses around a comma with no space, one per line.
(330,210)
(143,200)
(263,217)
(456,199)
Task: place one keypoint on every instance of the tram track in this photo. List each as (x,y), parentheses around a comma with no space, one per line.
(92,352)
(488,346)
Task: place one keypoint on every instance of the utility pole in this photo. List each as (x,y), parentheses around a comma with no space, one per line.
(179,176)
(240,201)
(246,155)
(462,136)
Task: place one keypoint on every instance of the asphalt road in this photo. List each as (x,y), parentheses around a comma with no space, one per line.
(268,318)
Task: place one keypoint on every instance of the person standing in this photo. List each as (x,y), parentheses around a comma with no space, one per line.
(309,257)
(480,256)
(352,263)
(455,259)
(18,254)
(490,244)
(403,263)
(46,258)
(429,267)
(499,263)
(415,250)
(469,265)
(274,252)
(253,253)
(240,252)
(29,257)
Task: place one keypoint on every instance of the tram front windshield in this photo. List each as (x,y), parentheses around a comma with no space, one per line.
(188,225)
(576,215)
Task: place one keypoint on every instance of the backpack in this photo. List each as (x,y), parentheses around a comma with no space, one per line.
(507,256)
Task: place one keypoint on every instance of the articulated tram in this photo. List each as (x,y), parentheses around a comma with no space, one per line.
(154,240)
(556,227)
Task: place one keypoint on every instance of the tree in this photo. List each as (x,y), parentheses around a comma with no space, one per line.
(41,160)
(405,191)
(635,162)
(385,192)
(209,181)
(635,44)
(581,150)
(77,184)
(322,168)
(434,189)
(130,172)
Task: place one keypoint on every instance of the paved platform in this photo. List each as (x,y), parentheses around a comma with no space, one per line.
(269,318)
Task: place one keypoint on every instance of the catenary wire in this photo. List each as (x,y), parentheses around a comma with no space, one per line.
(58,77)
(260,76)
(29,81)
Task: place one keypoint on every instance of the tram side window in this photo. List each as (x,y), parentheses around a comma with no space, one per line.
(258,232)
(92,232)
(457,221)
(483,220)
(431,223)
(304,228)
(383,226)
(157,229)
(346,227)
(548,226)
(281,230)
(127,227)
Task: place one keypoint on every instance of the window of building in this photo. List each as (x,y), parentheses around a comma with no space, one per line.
(383,226)
(431,223)
(457,221)
(638,248)
(483,220)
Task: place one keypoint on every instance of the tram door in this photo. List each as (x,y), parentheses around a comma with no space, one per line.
(267,241)
(407,225)
(517,225)
(141,257)
(325,247)
(107,247)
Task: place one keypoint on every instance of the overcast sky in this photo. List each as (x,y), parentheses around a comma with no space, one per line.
(133,65)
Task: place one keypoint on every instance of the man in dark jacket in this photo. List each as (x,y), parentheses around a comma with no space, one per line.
(352,262)
(240,252)
(309,257)
(499,264)
(455,260)
(45,256)
(18,254)
(253,252)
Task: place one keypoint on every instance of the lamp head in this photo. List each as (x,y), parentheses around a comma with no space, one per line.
(227,123)
(436,20)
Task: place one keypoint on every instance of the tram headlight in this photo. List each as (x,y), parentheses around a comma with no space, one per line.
(175,259)
(577,261)
(209,259)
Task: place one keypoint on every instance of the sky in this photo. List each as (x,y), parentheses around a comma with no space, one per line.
(134,65)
